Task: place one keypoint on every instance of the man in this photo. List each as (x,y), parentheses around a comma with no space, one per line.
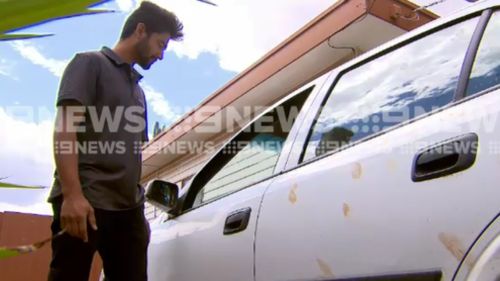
(100,126)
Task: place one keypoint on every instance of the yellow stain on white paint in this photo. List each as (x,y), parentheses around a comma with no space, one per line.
(326,270)
(357,171)
(292,196)
(346,209)
(453,245)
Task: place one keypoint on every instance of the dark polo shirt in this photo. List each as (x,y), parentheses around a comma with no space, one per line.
(110,137)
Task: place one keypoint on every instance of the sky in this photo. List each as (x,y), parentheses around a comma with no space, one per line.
(219,43)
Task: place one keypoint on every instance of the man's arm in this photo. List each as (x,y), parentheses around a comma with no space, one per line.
(76,210)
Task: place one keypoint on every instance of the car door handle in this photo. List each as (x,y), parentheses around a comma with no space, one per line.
(446,158)
(237,221)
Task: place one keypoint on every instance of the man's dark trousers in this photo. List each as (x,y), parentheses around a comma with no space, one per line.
(122,239)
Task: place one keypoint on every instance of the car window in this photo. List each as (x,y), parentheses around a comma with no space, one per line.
(254,162)
(486,70)
(400,85)
(252,155)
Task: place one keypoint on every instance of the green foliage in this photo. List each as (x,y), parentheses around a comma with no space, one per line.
(156,129)
(7,253)
(17,14)
(10,185)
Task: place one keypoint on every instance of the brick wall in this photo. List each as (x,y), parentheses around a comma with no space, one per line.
(21,229)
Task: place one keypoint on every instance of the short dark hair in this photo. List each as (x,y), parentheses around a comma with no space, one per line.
(156,19)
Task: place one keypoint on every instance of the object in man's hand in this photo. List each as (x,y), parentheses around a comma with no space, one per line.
(7,252)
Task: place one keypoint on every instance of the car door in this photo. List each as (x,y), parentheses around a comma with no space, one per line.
(387,181)
(213,237)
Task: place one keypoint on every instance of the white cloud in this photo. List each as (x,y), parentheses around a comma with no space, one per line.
(239,32)
(26,157)
(26,148)
(6,69)
(160,105)
(30,52)
(39,207)
(125,6)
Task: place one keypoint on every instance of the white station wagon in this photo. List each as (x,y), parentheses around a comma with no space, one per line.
(386,168)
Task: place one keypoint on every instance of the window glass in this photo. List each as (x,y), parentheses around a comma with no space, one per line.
(403,84)
(486,70)
(252,155)
(254,162)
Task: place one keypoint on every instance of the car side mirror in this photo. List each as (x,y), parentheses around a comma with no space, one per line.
(162,194)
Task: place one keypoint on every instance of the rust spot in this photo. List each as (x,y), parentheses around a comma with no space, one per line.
(292,196)
(357,171)
(325,268)
(347,210)
(453,245)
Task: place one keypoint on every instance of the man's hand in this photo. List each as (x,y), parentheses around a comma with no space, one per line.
(75,210)
(75,213)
